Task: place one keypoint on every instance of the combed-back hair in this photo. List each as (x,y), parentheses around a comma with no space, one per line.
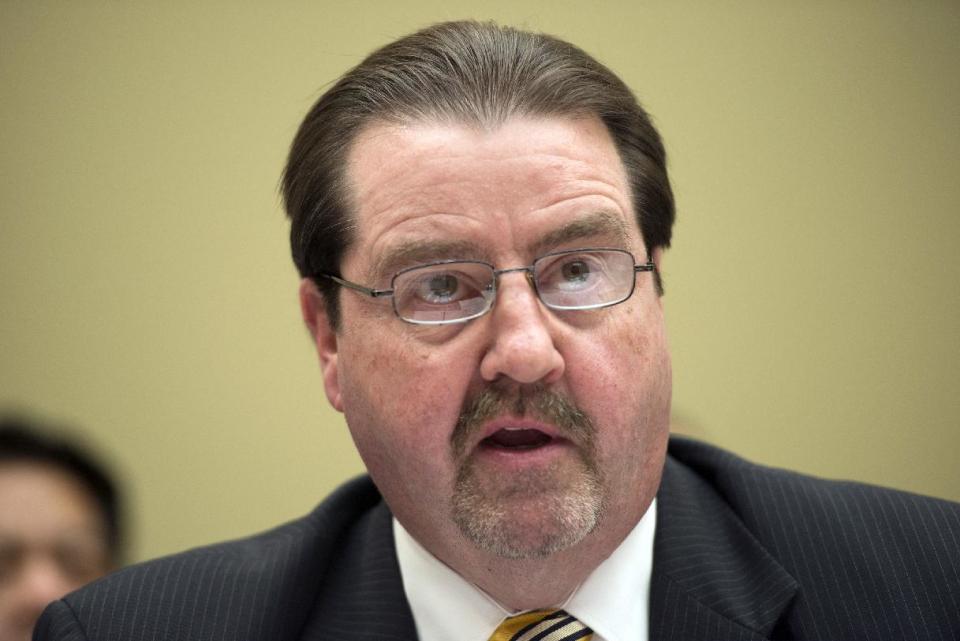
(473,73)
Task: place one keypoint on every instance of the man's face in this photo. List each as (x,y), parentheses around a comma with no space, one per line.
(51,542)
(527,430)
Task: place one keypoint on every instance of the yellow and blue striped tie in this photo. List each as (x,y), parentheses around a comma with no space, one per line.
(541,625)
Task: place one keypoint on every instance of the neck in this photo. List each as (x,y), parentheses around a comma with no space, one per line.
(520,585)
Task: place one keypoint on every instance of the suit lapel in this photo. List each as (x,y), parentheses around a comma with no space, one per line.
(362,597)
(711,578)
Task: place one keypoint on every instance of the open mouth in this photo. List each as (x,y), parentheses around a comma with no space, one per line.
(516,439)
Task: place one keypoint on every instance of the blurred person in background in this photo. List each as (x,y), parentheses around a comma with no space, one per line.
(59,522)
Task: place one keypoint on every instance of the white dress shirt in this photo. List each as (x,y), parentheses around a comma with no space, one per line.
(614,599)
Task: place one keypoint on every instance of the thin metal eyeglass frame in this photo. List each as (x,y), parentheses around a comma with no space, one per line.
(648,266)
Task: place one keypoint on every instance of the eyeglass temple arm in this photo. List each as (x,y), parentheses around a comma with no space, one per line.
(372,293)
(649,266)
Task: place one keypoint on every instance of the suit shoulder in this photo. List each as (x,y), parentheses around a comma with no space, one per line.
(896,537)
(232,587)
(742,482)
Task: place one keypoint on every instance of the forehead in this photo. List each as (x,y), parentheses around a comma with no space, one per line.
(426,188)
(40,498)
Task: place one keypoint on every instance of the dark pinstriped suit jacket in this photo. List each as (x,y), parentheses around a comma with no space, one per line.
(742,552)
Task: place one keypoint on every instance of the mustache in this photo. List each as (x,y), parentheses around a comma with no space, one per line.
(532,401)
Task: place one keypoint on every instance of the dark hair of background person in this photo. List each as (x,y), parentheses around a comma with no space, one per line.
(22,440)
(472,73)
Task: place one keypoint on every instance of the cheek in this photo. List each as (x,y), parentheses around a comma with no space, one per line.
(401,401)
(628,386)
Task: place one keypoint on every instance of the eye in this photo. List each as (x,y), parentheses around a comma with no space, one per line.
(439,288)
(12,555)
(569,273)
(575,271)
(80,560)
(442,285)
(444,292)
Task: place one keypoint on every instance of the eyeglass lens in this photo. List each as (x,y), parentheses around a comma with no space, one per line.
(458,291)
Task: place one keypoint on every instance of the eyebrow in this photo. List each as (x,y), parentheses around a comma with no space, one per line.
(409,253)
(418,252)
(597,224)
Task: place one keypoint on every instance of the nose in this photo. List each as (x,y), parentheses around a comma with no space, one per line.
(41,581)
(522,346)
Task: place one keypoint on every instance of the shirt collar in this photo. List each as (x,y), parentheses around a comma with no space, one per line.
(444,605)
(613,600)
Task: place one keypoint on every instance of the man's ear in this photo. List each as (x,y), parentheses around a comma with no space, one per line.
(324,337)
(657,258)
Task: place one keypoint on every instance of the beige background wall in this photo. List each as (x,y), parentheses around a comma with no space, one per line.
(148,295)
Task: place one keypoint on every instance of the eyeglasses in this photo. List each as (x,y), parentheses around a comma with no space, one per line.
(456,291)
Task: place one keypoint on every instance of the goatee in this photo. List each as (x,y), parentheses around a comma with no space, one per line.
(533,513)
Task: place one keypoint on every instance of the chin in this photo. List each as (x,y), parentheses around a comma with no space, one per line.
(527,520)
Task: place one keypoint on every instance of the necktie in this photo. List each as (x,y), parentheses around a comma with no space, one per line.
(541,625)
